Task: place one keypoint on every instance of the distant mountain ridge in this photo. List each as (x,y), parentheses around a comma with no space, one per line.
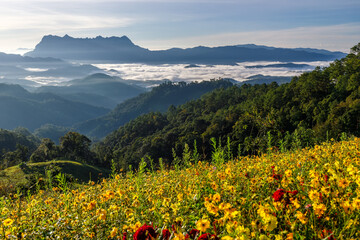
(19,107)
(123,50)
(98,89)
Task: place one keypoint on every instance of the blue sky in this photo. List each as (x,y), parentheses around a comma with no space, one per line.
(162,24)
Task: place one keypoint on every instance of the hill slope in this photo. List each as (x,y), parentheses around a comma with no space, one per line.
(304,194)
(159,99)
(27,175)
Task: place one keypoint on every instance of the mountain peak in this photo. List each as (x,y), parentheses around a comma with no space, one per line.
(85,48)
(67,36)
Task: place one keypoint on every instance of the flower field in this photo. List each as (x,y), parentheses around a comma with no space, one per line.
(305,194)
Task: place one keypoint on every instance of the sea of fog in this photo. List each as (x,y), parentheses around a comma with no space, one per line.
(148,75)
(188,73)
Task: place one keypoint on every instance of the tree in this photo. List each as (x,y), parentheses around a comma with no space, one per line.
(46,151)
(76,146)
(356,49)
(18,156)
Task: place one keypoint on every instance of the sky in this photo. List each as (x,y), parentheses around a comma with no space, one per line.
(163,24)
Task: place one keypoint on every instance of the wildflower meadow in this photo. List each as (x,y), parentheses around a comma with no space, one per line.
(310,193)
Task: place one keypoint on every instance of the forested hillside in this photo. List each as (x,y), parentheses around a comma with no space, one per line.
(313,107)
(157,100)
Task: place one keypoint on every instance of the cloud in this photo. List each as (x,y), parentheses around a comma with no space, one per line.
(178,72)
(50,20)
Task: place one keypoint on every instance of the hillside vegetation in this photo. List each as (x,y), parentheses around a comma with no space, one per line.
(312,108)
(30,176)
(305,194)
(159,99)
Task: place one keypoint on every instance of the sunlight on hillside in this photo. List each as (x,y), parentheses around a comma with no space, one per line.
(304,194)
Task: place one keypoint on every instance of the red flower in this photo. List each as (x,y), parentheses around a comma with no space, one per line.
(166,234)
(278,195)
(328,234)
(208,236)
(124,235)
(295,192)
(193,233)
(145,233)
(326,178)
(276,176)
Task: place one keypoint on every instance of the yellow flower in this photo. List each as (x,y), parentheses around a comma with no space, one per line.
(180,197)
(319,209)
(114,232)
(314,195)
(325,190)
(8,222)
(211,208)
(110,194)
(288,173)
(242,232)
(91,205)
(272,223)
(136,226)
(290,236)
(301,217)
(227,238)
(347,206)
(296,203)
(202,225)
(343,183)
(278,237)
(216,197)
(356,204)
(224,206)
(101,213)
(263,237)
(179,236)
(166,202)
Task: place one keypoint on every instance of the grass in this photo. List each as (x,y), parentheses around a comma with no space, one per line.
(26,176)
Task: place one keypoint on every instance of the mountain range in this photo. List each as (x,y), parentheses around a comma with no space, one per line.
(123,50)
(98,89)
(20,107)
